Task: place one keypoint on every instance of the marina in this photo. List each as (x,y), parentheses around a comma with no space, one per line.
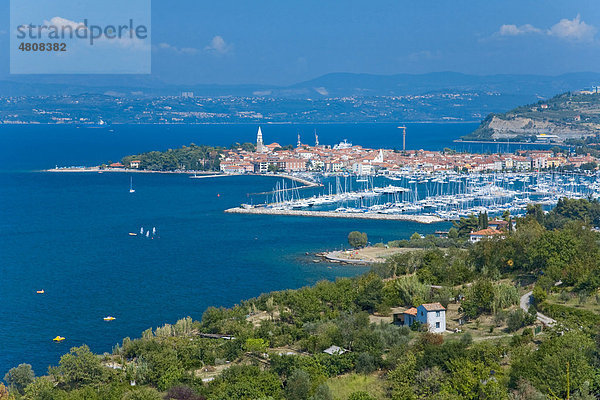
(424,197)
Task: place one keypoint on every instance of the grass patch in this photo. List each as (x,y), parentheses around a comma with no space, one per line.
(573,300)
(343,386)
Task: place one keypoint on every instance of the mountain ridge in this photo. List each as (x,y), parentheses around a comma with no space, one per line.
(339,84)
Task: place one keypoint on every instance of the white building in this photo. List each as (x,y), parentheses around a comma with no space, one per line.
(362,168)
(488,233)
(432,315)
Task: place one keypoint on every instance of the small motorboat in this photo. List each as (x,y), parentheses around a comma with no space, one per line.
(109,318)
(132,234)
(58,339)
(40,291)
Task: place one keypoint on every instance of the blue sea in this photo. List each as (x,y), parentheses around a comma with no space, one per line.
(68,233)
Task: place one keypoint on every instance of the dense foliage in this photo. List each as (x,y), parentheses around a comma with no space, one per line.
(272,347)
(191,158)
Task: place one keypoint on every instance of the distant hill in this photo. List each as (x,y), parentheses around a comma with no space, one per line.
(523,88)
(566,116)
(344,84)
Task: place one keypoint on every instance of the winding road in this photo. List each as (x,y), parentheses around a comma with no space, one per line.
(526,301)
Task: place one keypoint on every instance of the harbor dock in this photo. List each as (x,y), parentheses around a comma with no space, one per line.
(420,218)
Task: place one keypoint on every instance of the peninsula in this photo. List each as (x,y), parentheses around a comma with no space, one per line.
(562,118)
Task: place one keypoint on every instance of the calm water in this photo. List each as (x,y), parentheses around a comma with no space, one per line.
(68,234)
(46,146)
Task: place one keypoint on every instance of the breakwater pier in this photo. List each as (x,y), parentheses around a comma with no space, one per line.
(420,218)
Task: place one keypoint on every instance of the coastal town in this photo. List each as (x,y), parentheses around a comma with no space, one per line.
(355,159)
(346,157)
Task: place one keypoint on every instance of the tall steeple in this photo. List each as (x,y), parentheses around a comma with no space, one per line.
(316,139)
(260,146)
(299,144)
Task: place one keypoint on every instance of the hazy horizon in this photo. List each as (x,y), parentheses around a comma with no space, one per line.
(270,43)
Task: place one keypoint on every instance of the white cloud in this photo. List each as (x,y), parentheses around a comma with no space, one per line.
(179,50)
(219,45)
(514,30)
(568,29)
(574,29)
(60,22)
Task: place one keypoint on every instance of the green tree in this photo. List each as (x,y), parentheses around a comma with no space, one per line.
(365,363)
(256,346)
(19,377)
(298,385)
(453,233)
(466,225)
(535,211)
(41,388)
(81,367)
(357,239)
(561,363)
(403,376)
(246,382)
(482,220)
(183,393)
(479,298)
(273,168)
(322,393)
(142,393)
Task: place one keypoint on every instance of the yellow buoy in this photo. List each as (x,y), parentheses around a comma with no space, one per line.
(58,339)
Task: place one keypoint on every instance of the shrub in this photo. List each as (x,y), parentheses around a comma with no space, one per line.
(298,385)
(357,239)
(516,320)
(365,363)
(20,377)
(361,396)
(182,393)
(142,393)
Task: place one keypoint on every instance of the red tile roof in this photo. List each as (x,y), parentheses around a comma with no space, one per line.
(433,307)
(411,311)
(486,232)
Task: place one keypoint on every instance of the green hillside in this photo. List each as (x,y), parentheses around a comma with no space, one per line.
(565,116)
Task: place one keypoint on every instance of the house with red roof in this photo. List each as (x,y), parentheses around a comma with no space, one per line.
(484,234)
(431,315)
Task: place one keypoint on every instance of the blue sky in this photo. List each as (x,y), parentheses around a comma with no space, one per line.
(283,42)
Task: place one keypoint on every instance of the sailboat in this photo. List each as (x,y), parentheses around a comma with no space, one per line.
(142,230)
(131,189)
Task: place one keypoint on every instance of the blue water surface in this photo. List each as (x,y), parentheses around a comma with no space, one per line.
(68,233)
